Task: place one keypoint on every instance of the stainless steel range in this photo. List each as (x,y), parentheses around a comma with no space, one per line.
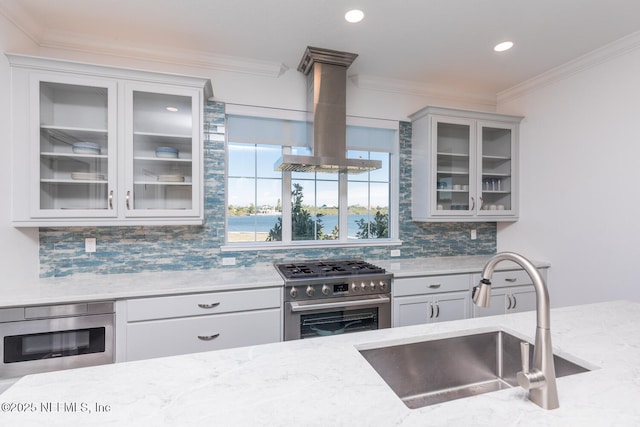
(331,297)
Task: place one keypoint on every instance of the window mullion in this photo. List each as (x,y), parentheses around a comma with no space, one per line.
(343,205)
(286,202)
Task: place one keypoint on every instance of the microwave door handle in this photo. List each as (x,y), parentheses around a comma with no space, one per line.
(297,307)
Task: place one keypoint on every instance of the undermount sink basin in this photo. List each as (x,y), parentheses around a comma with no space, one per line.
(430,372)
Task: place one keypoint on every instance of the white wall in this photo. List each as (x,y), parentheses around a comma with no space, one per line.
(580,182)
(18,247)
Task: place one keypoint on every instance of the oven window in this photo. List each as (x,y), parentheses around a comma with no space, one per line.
(21,348)
(338,322)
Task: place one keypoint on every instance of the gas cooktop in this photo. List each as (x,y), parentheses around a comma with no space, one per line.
(326,268)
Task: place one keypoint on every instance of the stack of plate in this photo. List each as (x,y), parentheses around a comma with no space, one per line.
(84,147)
(167,152)
(87,176)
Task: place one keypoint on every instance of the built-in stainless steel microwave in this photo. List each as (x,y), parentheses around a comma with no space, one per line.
(48,338)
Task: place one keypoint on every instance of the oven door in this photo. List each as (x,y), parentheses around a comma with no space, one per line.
(335,316)
(32,346)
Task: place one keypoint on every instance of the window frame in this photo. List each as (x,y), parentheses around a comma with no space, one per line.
(343,240)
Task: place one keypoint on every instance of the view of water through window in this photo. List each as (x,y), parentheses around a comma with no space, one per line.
(255,199)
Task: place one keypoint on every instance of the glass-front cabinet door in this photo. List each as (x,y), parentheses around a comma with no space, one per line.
(75,133)
(162,160)
(497,159)
(95,145)
(464,165)
(454,166)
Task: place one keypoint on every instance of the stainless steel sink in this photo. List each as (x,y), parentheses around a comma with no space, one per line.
(429,372)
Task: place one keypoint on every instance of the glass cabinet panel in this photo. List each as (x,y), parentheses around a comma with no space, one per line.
(453,166)
(496,148)
(74,147)
(162,152)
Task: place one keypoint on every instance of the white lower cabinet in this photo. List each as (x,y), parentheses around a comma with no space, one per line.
(172,325)
(429,299)
(508,300)
(512,292)
(421,309)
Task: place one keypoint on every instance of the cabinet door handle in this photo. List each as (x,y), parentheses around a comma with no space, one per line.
(431,315)
(473,203)
(437,309)
(127,199)
(511,279)
(208,337)
(515,301)
(215,304)
(481,203)
(435,286)
(509,306)
(111,199)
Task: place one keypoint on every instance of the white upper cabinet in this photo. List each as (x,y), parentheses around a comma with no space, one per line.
(96,145)
(464,165)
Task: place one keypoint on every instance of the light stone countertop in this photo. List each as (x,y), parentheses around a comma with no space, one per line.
(445,265)
(98,287)
(326,382)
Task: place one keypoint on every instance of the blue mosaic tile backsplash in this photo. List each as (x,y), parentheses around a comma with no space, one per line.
(136,249)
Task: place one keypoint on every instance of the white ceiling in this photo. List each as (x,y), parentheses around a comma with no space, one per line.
(444,44)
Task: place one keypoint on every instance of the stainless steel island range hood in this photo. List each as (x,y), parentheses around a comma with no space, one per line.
(326,72)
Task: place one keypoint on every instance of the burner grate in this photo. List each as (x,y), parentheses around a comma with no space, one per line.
(312,269)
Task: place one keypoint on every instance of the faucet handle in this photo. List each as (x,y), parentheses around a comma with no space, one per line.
(524,356)
(528,379)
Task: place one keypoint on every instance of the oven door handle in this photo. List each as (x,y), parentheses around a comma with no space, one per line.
(298,307)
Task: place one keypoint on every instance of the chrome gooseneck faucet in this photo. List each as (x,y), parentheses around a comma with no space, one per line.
(541,380)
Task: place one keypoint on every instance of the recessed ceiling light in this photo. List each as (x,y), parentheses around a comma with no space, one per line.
(501,47)
(354,16)
(172,109)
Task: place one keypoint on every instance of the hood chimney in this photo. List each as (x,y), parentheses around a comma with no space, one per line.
(326,72)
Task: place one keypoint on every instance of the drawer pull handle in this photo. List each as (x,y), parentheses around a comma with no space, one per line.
(511,279)
(215,304)
(436,286)
(208,337)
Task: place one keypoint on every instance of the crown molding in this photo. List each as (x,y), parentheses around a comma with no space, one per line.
(95,45)
(592,59)
(67,41)
(432,92)
(15,13)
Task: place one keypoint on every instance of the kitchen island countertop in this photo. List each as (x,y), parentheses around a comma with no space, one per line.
(325,381)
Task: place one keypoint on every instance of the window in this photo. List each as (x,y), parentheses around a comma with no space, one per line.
(273,208)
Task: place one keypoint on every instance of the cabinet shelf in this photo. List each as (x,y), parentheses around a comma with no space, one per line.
(163,159)
(73,155)
(169,183)
(497,158)
(461,155)
(452,172)
(73,181)
(71,130)
(495,174)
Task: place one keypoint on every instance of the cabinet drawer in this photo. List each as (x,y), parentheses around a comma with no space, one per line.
(431,284)
(501,279)
(202,304)
(158,338)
